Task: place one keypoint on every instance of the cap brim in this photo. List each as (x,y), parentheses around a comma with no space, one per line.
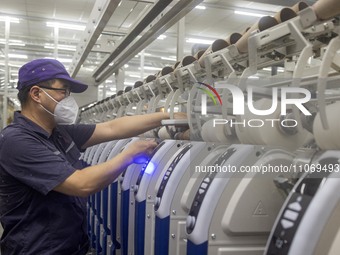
(75,86)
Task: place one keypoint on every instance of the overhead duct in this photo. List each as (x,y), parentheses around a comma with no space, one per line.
(100,15)
(149,17)
(164,22)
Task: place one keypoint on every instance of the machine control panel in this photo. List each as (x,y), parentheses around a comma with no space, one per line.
(140,176)
(203,188)
(297,205)
(168,173)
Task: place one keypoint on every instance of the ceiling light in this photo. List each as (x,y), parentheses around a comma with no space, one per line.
(170,59)
(126,65)
(60,47)
(161,37)
(65,60)
(17,44)
(134,76)
(151,68)
(17,56)
(12,65)
(145,54)
(269,69)
(200,7)
(249,14)
(10,19)
(129,83)
(201,41)
(66,26)
(13,42)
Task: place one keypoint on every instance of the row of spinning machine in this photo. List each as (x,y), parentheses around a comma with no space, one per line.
(192,197)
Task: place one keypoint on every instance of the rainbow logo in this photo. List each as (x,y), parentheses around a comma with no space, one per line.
(210,92)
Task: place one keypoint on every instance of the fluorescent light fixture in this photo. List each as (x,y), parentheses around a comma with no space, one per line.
(145,54)
(201,41)
(200,7)
(170,59)
(17,56)
(17,44)
(249,14)
(151,68)
(2,41)
(161,37)
(66,26)
(129,83)
(279,69)
(108,81)
(10,19)
(134,76)
(12,65)
(13,42)
(65,60)
(60,47)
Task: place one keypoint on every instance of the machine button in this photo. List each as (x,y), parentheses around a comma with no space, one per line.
(204,185)
(201,191)
(207,180)
(279,243)
(286,223)
(295,206)
(191,220)
(291,215)
(157,202)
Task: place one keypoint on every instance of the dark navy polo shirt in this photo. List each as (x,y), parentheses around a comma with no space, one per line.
(36,219)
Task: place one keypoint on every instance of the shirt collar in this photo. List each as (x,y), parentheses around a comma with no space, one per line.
(27,123)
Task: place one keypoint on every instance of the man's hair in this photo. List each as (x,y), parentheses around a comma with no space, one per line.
(23,93)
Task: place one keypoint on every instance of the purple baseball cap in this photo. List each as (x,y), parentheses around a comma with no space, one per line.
(45,69)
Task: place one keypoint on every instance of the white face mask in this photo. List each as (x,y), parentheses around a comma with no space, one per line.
(65,112)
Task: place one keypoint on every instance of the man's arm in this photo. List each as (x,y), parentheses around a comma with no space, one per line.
(95,178)
(128,126)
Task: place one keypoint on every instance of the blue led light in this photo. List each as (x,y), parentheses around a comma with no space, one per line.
(150,168)
(140,159)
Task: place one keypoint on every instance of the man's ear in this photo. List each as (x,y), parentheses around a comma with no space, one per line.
(35,93)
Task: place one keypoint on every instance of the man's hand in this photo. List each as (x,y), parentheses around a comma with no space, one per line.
(180,115)
(139,152)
